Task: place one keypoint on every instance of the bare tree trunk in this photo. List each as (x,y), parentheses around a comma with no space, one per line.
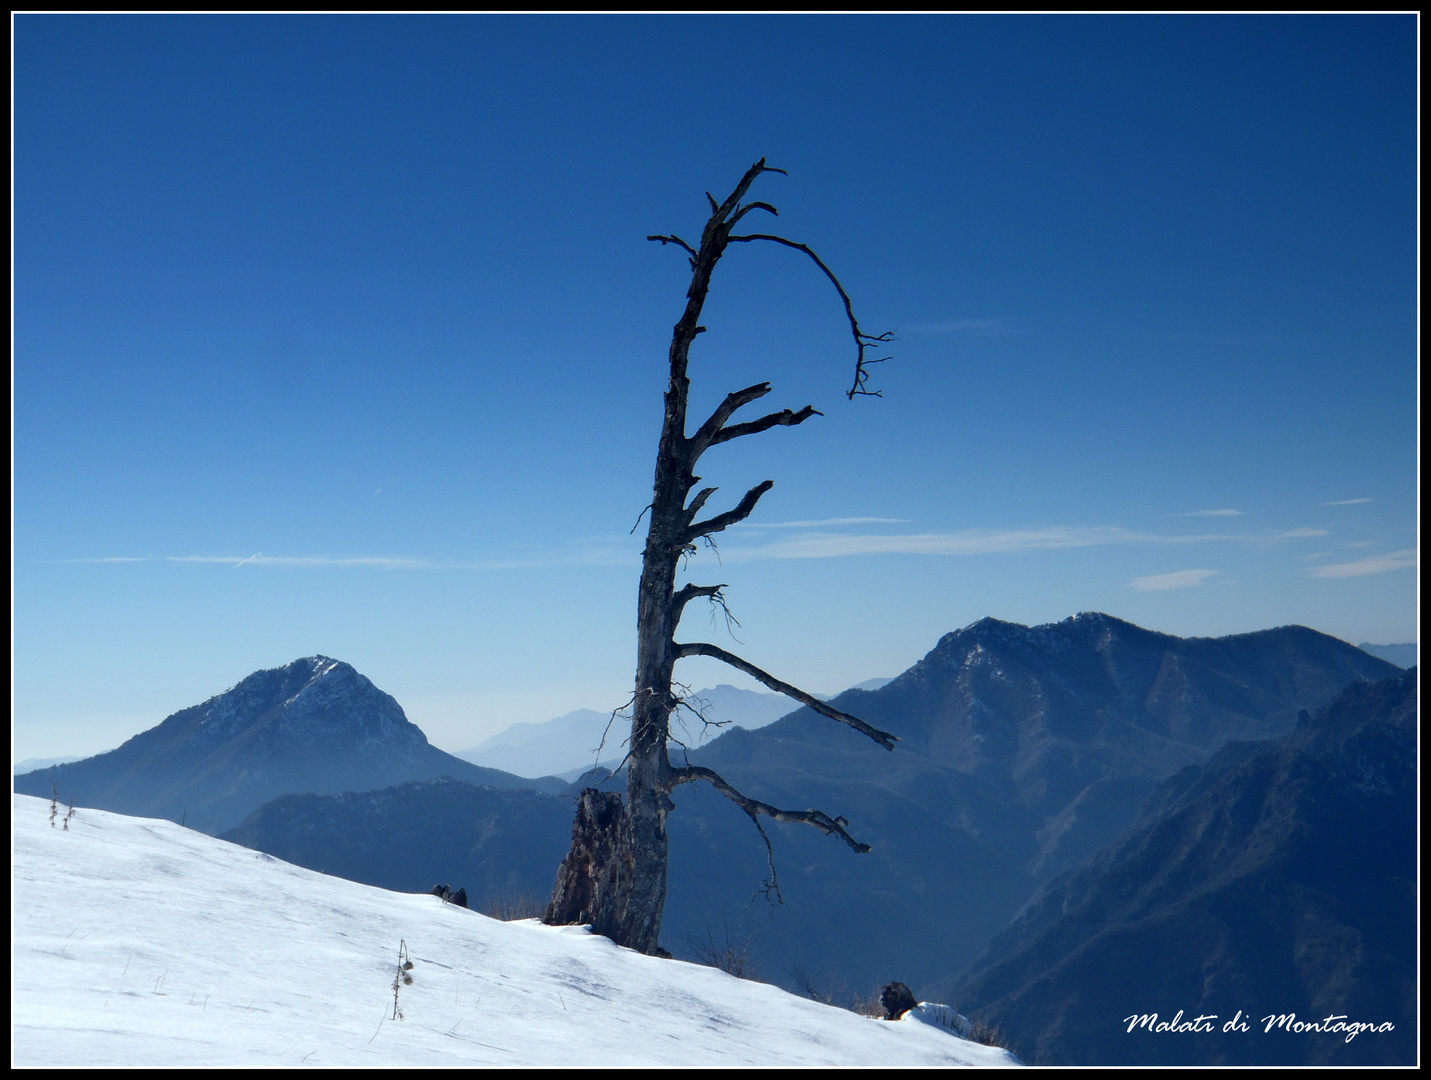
(615,875)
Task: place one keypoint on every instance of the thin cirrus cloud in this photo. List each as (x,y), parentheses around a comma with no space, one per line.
(825,523)
(965,542)
(1212,513)
(984,542)
(599,557)
(1346,502)
(1179,579)
(1377,564)
(814,545)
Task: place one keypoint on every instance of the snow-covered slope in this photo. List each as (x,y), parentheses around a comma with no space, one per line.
(138,942)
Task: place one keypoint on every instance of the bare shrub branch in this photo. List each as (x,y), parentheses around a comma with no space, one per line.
(733,955)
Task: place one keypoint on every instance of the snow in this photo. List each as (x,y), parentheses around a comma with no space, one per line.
(141,943)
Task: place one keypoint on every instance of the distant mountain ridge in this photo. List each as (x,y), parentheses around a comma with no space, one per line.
(31,764)
(567,745)
(1279,877)
(1403,654)
(314,725)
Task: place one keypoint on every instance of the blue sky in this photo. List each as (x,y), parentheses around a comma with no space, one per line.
(343,336)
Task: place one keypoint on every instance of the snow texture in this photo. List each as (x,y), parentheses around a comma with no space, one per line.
(141,943)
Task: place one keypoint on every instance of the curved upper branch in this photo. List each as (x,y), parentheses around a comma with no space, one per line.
(702,648)
(863,341)
(748,207)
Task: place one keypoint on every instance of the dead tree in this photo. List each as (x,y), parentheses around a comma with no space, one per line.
(615,875)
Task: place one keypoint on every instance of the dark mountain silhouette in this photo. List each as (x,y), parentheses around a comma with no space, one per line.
(1279,877)
(501,846)
(1024,750)
(315,725)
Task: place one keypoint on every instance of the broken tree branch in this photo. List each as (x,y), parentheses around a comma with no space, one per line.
(664,240)
(742,511)
(783,418)
(699,500)
(702,648)
(818,818)
(686,593)
(701,440)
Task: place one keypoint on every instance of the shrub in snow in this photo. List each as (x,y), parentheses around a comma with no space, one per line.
(449,897)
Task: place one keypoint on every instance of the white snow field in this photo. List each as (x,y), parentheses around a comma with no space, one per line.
(141,943)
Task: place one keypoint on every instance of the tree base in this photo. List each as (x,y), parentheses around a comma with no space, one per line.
(586,885)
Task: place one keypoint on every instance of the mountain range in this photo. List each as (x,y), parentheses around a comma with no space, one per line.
(315,725)
(1024,750)
(1277,878)
(567,746)
(31,764)
(1403,655)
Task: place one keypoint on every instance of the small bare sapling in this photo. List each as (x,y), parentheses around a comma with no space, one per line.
(55,806)
(402,978)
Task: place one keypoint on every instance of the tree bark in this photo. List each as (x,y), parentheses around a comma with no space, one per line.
(615,875)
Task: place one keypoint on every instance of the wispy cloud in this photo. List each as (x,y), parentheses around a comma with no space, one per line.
(1179,579)
(595,556)
(1347,502)
(1377,564)
(1212,513)
(305,560)
(967,542)
(987,541)
(816,543)
(825,523)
